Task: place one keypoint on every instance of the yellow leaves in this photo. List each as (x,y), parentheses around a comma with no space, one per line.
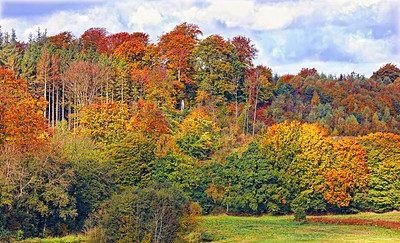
(304,151)
(104,122)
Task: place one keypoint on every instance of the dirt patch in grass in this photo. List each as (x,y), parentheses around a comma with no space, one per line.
(355,221)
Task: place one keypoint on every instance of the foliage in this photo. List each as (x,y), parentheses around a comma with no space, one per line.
(104,122)
(134,158)
(299,214)
(197,135)
(390,71)
(159,212)
(316,166)
(21,117)
(383,156)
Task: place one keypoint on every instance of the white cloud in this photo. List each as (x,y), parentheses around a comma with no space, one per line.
(287,33)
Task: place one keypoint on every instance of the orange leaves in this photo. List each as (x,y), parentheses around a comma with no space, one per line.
(63,40)
(305,72)
(348,173)
(390,71)
(176,47)
(136,54)
(149,120)
(21,118)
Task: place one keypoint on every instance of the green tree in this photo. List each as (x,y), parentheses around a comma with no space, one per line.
(383,156)
(134,158)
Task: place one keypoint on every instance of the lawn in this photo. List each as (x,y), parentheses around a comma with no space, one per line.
(283,229)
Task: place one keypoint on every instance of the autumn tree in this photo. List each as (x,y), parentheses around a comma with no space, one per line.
(320,170)
(390,71)
(246,51)
(148,120)
(105,123)
(216,66)
(305,72)
(92,37)
(63,40)
(21,119)
(176,48)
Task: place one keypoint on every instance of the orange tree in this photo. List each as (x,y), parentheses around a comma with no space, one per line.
(21,116)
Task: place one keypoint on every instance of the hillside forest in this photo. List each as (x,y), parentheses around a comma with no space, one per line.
(127,139)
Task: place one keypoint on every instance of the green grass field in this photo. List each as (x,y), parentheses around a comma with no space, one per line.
(283,229)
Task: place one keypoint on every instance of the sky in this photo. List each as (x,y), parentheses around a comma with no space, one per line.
(334,36)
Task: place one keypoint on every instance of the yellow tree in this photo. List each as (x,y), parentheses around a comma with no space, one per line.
(309,169)
(104,122)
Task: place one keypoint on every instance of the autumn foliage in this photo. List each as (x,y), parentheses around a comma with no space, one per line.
(106,113)
(21,118)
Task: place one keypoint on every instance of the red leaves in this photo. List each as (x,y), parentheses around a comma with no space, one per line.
(305,72)
(382,223)
(92,37)
(149,119)
(246,51)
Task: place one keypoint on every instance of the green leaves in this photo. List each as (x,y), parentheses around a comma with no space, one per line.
(134,157)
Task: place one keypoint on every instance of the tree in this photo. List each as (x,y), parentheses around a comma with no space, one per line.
(158,213)
(135,54)
(63,40)
(310,169)
(390,71)
(134,158)
(348,174)
(216,66)
(148,120)
(245,50)
(21,118)
(44,73)
(382,155)
(176,47)
(40,180)
(92,37)
(197,135)
(105,123)
(306,72)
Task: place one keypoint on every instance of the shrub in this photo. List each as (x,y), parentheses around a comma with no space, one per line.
(299,214)
(159,212)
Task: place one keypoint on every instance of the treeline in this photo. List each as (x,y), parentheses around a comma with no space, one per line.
(90,126)
(182,71)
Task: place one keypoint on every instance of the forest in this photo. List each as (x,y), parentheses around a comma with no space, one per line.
(122,138)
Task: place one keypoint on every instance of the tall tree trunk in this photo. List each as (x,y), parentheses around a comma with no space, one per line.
(255,111)
(63,101)
(57,107)
(53,115)
(44,95)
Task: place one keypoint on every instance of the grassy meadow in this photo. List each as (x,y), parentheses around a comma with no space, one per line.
(283,229)
(280,229)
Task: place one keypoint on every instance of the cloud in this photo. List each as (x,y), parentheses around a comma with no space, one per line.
(343,33)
